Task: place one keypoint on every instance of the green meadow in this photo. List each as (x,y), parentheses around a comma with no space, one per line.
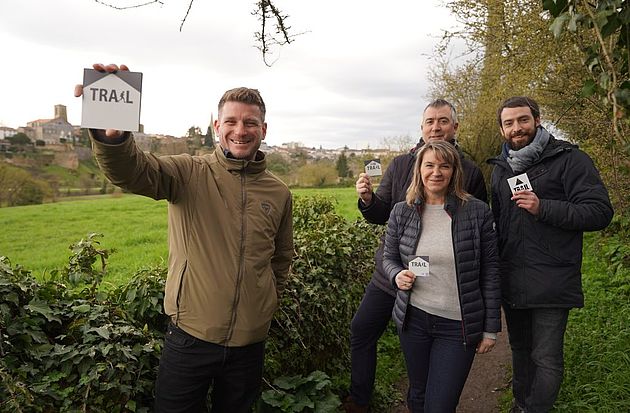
(38,236)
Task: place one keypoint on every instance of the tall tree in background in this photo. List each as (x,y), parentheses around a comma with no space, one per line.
(600,32)
(194,136)
(209,139)
(342,166)
(510,50)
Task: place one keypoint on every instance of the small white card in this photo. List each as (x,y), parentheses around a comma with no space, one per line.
(519,183)
(419,265)
(111,100)
(373,167)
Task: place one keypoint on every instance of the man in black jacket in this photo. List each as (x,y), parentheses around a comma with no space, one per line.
(540,231)
(439,121)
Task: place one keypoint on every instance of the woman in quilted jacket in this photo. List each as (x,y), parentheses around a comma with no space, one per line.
(441,255)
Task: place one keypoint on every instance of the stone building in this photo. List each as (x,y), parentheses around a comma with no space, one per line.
(6,132)
(51,131)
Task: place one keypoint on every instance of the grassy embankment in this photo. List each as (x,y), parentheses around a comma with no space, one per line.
(38,236)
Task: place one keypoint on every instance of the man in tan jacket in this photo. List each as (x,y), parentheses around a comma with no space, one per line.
(230,248)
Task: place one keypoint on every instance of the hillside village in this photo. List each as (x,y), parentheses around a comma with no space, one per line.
(50,158)
(59,142)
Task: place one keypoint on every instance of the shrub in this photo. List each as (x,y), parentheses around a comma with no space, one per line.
(333,263)
(70,350)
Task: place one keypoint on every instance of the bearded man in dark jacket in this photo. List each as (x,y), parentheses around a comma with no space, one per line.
(439,121)
(540,244)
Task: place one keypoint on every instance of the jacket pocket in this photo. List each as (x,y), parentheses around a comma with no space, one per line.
(557,245)
(173,293)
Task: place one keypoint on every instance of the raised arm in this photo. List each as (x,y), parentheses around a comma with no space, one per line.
(128,167)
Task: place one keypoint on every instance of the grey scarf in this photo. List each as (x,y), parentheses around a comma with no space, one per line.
(525,157)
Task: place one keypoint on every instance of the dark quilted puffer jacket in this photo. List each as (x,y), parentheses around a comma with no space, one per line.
(476,262)
(393,189)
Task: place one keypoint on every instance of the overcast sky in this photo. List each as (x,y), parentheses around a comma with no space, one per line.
(358,74)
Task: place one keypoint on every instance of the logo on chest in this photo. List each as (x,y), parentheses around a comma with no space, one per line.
(266,207)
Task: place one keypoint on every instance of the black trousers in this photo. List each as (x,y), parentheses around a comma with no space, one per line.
(368,325)
(189,366)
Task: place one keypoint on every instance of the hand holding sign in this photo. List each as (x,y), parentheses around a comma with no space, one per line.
(373,167)
(523,195)
(405,279)
(419,265)
(78,91)
(364,188)
(519,183)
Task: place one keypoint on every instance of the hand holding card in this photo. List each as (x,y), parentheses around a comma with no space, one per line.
(373,167)
(519,183)
(111,100)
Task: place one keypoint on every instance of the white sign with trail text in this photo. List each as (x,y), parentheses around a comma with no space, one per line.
(373,167)
(111,100)
(519,183)
(419,266)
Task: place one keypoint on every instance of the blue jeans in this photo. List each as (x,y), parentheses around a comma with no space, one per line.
(368,325)
(188,366)
(537,341)
(437,360)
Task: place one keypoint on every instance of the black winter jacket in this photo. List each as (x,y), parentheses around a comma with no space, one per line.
(541,257)
(476,262)
(393,189)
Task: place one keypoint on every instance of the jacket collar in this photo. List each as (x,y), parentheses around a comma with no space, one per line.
(450,206)
(258,165)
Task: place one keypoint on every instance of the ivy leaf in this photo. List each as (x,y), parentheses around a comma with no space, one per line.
(41,307)
(101,331)
(83,308)
(573,23)
(623,96)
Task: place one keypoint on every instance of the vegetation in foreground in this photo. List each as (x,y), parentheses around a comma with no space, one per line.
(69,345)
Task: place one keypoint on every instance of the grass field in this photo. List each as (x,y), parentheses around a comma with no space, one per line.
(38,236)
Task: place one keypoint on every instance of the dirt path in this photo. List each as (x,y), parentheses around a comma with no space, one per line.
(486,381)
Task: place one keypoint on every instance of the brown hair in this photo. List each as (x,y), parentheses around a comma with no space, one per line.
(446,152)
(519,102)
(244,95)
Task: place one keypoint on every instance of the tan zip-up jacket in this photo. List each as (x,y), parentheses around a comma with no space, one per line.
(230,237)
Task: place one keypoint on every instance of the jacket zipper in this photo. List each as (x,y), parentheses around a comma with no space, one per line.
(459,293)
(239,277)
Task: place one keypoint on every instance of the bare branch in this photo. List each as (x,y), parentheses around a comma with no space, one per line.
(186,16)
(129,7)
(265,9)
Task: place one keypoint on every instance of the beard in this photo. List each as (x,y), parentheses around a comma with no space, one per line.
(520,140)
